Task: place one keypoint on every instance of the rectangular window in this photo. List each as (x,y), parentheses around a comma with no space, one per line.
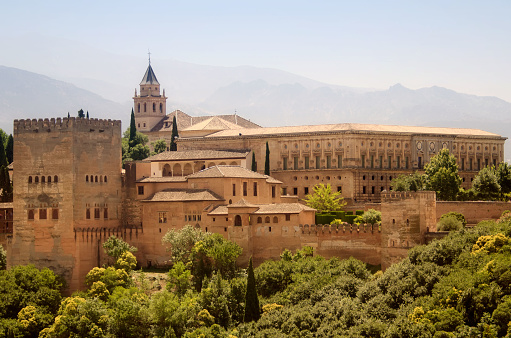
(295,191)
(105,213)
(470,164)
(234,189)
(255,188)
(31,215)
(363,158)
(495,162)
(306,162)
(381,162)
(288,217)
(284,191)
(478,164)
(284,163)
(398,164)
(318,162)
(420,162)
(364,189)
(406,162)
(462,164)
(486,162)
(372,190)
(306,190)
(273,191)
(55,213)
(42,213)
(295,163)
(245,188)
(372,161)
(339,161)
(329,161)
(141,190)
(389,162)
(339,189)
(96,213)
(162,217)
(87,213)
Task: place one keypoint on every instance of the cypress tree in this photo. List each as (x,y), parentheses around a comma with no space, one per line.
(9,149)
(254,163)
(267,160)
(5,184)
(87,114)
(68,116)
(251,300)
(173,145)
(133,128)
(3,157)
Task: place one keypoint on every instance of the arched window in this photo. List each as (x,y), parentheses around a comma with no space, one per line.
(237,220)
(267,219)
(275,219)
(86,178)
(96,179)
(105,213)
(138,109)
(43,179)
(161,107)
(105,179)
(154,107)
(145,107)
(29,179)
(55,178)
(259,220)
(36,180)
(87,214)
(49,179)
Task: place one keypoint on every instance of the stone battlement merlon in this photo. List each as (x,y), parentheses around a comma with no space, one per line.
(403,195)
(64,124)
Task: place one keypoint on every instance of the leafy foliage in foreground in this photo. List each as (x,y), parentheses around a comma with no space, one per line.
(459,286)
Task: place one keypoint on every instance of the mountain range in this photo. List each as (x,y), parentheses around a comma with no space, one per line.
(104,84)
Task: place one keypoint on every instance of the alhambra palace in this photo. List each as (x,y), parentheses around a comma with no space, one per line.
(71,192)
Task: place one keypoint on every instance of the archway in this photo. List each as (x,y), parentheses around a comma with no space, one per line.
(177,170)
(166,170)
(187,170)
(237,220)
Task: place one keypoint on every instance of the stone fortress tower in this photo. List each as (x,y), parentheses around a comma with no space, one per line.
(150,105)
(67,178)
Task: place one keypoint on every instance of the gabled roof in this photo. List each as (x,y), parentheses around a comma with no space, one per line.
(183,195)
(162,179)
(242,203)
(149,77)
(286,208)
(213,123)
(219,171)
(197,155)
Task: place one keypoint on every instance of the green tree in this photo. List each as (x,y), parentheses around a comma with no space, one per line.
(503,172)
(159,146)
(116,247)
(3,156)
(449,223)
(87,114)
(412,182)
(133,128)
(9,149)
(179,279)
(371,216)
(252,311)
(5,185)
(486,183)
(181,242)
(173,145)
(3,258)
(68,115)
(323,199)
(442,176)
(254,163)
(267,160)
(459,216)
(81,114)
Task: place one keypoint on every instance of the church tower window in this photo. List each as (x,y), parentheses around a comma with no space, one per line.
(145,107)
(138,108)
(154,107)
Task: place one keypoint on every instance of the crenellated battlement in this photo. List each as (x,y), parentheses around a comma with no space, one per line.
(393,196)
(75,124)
(342,229)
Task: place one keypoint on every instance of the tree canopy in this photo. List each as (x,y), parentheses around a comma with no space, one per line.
(323,199)
(442,176)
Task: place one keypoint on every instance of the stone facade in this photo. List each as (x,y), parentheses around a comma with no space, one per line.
(67,177)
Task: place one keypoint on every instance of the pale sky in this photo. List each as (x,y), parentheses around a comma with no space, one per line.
(460,45)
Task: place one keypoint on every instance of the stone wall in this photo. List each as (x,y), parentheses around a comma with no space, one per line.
(474,211)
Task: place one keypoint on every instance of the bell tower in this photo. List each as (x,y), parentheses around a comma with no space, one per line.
(150,106)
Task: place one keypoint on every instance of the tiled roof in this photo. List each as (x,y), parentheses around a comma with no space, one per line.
(241,204)
(149,77)
(179,195)
(162,179)
(219,210)
(227,171)
(213,123)
(282,208)
(351,127)
(197,155)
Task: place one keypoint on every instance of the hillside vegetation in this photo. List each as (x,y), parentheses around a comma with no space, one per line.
(459,286)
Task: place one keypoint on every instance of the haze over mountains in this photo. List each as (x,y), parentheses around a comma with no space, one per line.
(77,76)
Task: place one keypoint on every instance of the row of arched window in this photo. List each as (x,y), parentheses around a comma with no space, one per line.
(43,179)
(154,107)
(95,179)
